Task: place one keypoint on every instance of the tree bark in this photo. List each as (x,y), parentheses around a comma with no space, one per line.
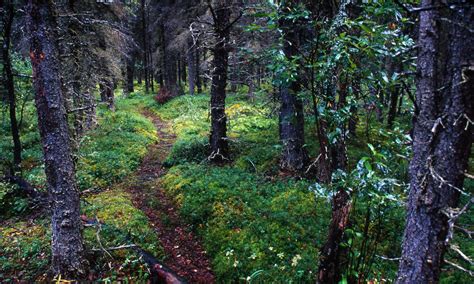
(394,95)
(191,66)
(145,43)
(130,73)
(169,66)
(329,270)
(219,149)
(67,247)
(442,136)
(291,117)
(198,68)
(9,86)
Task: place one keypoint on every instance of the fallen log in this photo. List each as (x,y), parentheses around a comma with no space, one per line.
(160,273)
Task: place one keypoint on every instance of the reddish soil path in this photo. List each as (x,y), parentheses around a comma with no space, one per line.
(184,253)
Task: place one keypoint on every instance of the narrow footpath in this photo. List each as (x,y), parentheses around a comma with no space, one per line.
(184,253)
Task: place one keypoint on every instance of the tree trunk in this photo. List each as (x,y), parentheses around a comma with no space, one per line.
(151,71)
(130,73)
(443,133)
(183,69)
(169,66)
(394,95)
(67,246)
(110,87)
(145,44)
(329,266)
(178,62)
(191,65)
(198,68)
(291,118)
(218,139)
(8,83)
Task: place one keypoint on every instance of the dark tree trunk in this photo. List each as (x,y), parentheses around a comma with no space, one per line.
(169,66)
(178,63)
(110,87)
(67,246)
(330,266)
(198,68)
(130,73)
(183,69)
(191,65)
(219,147)
(139,76)
(442,139)
(145,44)
(291,118)
(394,95)
(8,84)
(103,92)
(90,120)
(151,71)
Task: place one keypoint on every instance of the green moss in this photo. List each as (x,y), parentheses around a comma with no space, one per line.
(248,223)
(25,251)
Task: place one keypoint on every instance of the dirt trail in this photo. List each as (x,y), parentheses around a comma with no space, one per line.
(184,253)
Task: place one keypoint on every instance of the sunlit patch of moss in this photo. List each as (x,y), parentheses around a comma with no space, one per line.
(115,209)
(114,149)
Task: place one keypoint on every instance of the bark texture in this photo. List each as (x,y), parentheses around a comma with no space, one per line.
(219,147)
(67,246)
(442,136)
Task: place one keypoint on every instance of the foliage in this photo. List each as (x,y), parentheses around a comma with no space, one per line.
(250,225)
(24,245)
(115,148)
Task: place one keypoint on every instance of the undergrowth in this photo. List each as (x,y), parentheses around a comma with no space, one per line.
(106,155)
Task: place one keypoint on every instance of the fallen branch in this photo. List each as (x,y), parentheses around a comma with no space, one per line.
(388,258)
(117,247)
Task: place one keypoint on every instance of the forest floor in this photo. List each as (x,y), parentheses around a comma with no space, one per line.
(184,253)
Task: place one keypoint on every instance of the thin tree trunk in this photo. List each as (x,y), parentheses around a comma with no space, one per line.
(394,95)
(329,267)
(198,68)
(67,247)
(145,44)
(130,73)
(191,66)
(442,137)
(9,86)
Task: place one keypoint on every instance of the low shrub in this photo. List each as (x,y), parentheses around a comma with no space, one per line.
(251,228)
(194,150)
(163,96)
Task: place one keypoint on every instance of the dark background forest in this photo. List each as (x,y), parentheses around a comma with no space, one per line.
(237,141)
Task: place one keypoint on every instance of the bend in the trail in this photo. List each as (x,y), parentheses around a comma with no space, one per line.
(184,253)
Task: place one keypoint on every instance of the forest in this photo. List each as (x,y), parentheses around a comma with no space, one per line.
(237,141)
